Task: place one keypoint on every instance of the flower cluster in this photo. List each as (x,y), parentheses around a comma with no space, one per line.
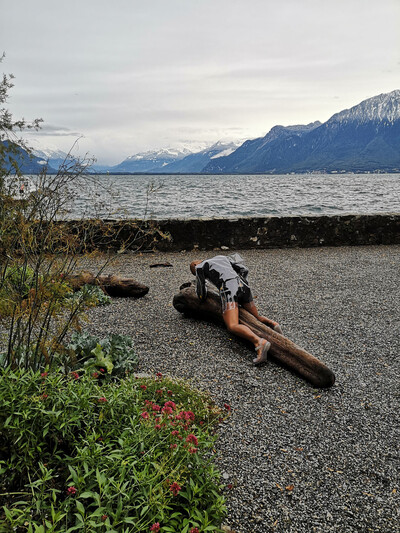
(155,527)
(175,488)
(192,439)
(71,491)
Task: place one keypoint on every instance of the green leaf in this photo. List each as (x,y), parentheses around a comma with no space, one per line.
(80,507)
(87,494)
(144,510)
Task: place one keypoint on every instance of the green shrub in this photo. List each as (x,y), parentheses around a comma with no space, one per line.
(114,353)
(92,293)
(17,280)
(79,454)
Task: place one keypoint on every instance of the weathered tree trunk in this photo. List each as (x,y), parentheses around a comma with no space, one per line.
(116,286)
(111,285)
(282,349)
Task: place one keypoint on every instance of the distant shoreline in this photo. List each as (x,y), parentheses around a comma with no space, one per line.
(311,172)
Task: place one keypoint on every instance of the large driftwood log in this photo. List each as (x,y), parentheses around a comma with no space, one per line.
(111,285)
(282,349)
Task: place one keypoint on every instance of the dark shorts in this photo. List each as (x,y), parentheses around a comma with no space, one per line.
(233,293)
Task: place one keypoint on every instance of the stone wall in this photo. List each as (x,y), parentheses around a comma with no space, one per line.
(271,232)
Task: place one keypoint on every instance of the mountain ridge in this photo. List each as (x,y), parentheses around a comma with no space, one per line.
(365,137)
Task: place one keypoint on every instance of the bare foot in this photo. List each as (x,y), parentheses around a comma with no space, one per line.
(262,353)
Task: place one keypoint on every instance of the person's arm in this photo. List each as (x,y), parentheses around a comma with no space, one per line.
(238,266)
(201,288)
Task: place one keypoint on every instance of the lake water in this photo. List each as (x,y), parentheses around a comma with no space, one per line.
(227,196)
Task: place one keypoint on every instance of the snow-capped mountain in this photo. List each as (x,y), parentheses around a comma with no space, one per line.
(195,162)
(382,108)
(252,149)
(363,138)
(53,158)
(150,161)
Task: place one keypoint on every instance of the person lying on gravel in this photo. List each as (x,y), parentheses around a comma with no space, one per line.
(229,275)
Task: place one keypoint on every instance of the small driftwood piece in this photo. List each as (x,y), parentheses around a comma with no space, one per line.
(158,265)
(282,349)
(111,285)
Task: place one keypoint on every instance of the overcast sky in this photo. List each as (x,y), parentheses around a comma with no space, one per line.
(130,75)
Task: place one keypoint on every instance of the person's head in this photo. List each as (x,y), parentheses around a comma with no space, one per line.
(193,265)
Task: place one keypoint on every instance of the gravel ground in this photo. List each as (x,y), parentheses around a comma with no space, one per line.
(293,458)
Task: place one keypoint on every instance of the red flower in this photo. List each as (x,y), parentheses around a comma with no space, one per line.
(44,396)
(157,426)
(102,370)
(156,407)
(175,488)
(155,527)
(227,406)
(95,375)
(143,387)
(75,375)
(192,439)
(71,491)
(169,392)
(194,530)
(173,446)
(159,375)
(167,410)
(44,374)
(159,391)
(229,486)
(102,400)
(104,517)
(189,415)
(170,404)
(192,450)
(145,415)
(175,433)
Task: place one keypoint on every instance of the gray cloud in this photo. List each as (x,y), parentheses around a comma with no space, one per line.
(55,131)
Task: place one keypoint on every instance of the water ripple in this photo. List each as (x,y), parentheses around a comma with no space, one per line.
(198,196)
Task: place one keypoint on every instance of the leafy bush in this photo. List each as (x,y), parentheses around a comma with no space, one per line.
(17,280)
(75,455)
(115,353)
(92,293)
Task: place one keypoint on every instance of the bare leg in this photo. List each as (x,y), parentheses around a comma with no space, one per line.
(231,319)
(251,308)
